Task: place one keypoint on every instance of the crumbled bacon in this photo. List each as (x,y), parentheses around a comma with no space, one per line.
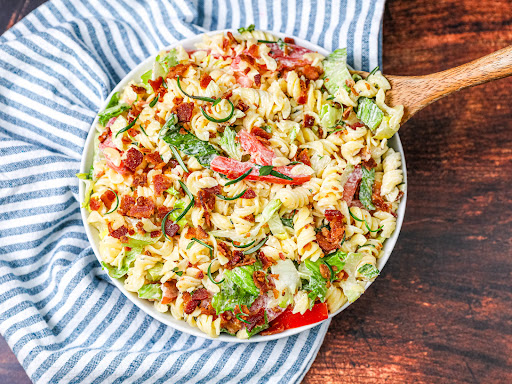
(230,323)
(273,330)
(169,292)
(249,194)
(127,202)
(231,38)
(303,157)
(289,40)
(154,158)
(171,229)
(94,204)
(126,140)
(309,121)
(241,106)
(161,183)
(178,70)
(177,100)
(267,263)
(108,198)
(256,319)
(346,113)
(312,73)
(192,301)
(158,87)
(350,187)
(184,112)
(325,271)
(350,83)
(206,199)
(156,234)
(369,164)
(261,282)
(249,218)
(145,207)
(254,51)
(257,79)
(205,80)
(303,97)
(238,259)
(138,90)
(201,233)
(259,132)
(161,211)
(133,159)
(329,240)
(133,132)
(140,227)
(117,233)
(140,180)
(104,135)
(224,249)
(377,199)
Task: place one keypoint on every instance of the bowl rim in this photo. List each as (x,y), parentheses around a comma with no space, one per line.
(148,307)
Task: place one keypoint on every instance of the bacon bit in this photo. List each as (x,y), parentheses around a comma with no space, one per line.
(368,86)
(126,140)
(249,194)
(350,83)
(231,38)
(257,131)
(324,271)
(138,90)
(312,73)
(154,158)
(104,135)
(247,59)
(140,180)
(206,199)
(303,157)
(256,319)
(261,282)
(257,79)
(161,183)
(177,100)
(273,330)
(145,207)
(119,232)
(133,159)
(224,249)
(227,95)
(171,229)
(201,233)
(289,40)
(137,108)
(108,198)
(309,121)
(281,256)
(369,164)
(140,227)
(169,292)
(230,323)
(254,51)
(303,97)
(161,211)
(247,70)
(161,120)
(225,44)
(184,112)
(350,187)
(127,202)
(249,218)
(237,259)
(205,80)
(342,275)
(207,309)
(241,106)
(192,301)
(158,87)
(94,204)
(346,113)
(133,132)
(377,199)
(330,240)
(178,70)
(156,234)
(267,263)
(200,275)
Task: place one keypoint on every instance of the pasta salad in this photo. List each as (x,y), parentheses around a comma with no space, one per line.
(246,186)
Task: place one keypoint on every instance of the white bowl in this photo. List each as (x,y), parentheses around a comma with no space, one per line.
(147,306)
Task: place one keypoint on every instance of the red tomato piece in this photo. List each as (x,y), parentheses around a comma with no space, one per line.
(233,169)
(288,320)
(109,144)
(259,153)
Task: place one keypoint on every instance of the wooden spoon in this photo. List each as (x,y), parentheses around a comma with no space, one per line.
(416,92)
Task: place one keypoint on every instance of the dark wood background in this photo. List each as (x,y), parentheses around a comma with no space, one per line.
(441,312)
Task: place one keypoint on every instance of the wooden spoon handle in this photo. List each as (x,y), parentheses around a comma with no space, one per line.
(416,92)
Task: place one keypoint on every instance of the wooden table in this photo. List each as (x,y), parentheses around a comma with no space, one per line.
(441,310)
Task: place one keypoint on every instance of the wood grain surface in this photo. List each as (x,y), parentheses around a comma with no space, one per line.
(441,311)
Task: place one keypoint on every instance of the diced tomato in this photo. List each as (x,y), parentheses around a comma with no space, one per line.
(288,320)
(259,153)
(233,169)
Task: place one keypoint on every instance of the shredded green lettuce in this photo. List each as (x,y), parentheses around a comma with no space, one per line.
(329,116)
(368,271)
(250,28)
(146,76)
(155,272)
(366,188)
(150,291)
(126,263)
(336,72)
(271,208)
(164,62)
(277,228)
(351,287)
(114,108)
(89,184)
(172,191)
(369,113)
(228,144)
(238,288)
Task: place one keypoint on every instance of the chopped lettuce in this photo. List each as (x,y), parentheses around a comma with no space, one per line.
(257,329)
(277,228)
(250,28)
(164,62)
(155,272)
(146,76)
(228,144)
(114,108)
(126,263)
(329,116)
(351,287)
(368,271)
(172,191)
(336,259)
(138,240)
(271,208)
(369,113)
(288,275)
(335,70)
(89,184)
(238,288)
(174,215)
(366,188)
(150,291)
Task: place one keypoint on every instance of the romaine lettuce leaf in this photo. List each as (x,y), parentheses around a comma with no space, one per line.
(368,271)
(366,188)
(335,70)
(113,109)
(238,288)
(369,113)
(228,144)
(150,291)
(155,272)
(329,116)
(128,259)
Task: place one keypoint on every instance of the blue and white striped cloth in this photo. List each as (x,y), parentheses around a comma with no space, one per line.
(58,312)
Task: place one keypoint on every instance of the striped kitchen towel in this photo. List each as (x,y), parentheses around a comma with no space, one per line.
(60,315)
